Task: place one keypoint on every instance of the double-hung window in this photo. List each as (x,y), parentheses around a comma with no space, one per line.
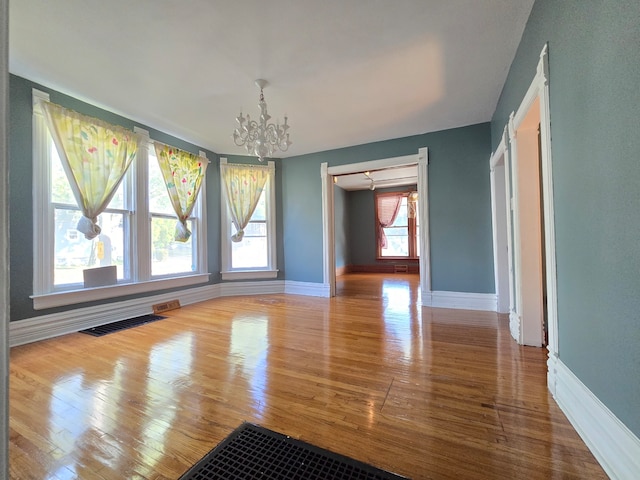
(254,254)
(136,231)
(398,231)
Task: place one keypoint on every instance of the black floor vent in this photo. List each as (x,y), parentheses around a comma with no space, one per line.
(253,452)
(121,325)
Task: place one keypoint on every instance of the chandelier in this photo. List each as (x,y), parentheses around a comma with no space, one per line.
(261,138)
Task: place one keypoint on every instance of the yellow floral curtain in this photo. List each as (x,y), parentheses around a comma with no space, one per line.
(183,173)
(95,156)
(243,185)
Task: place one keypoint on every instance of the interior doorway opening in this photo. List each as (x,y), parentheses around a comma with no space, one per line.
(533,315)
(531,255)
(328,213)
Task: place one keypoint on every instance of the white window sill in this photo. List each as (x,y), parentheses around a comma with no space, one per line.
(248,274)
(58,299)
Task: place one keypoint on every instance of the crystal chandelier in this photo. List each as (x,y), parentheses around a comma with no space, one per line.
(261,138)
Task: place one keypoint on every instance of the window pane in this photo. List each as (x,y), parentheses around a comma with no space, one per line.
(398,235)
(260,213)
(401,219)
(254,229)
(159,201)
(167,255)
(61,190)
(73,253)
(251,252)
(397,242)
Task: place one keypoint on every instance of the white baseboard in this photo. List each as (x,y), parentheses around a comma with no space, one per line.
(307,288)
(461,300)
(251,288)
(615,447)
(75,319)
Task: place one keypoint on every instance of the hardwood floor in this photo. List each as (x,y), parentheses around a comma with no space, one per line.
(425,393)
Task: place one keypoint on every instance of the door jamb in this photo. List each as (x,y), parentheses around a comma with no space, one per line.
(498,158)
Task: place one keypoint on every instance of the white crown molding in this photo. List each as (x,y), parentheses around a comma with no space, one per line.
(611,442)
(461,300)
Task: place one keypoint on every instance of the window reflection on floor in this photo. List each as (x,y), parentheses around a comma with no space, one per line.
(402,317)
(93,406)
(249,347)
(170,363)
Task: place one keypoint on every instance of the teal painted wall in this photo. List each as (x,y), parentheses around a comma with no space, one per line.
(594,64)
(459,206)
(20,195)
(362,238)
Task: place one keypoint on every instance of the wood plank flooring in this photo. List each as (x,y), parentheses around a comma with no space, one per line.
(425,393)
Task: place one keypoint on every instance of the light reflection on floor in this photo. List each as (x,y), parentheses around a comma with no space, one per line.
(168,363)
(249,348)
(402,318)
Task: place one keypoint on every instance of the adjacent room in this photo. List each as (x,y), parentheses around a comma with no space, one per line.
(392,239)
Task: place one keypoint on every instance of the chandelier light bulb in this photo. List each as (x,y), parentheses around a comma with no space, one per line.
(261,138)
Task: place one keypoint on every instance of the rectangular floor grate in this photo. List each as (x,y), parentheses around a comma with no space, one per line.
(253,452)
(121,325)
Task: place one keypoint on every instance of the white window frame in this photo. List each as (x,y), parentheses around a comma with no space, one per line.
(270,271)
(45,294)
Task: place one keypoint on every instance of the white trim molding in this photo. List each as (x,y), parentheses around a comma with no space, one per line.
(328,229)
(4,239)
(70,321)
(71,297)
(307,288)
(423,217)
(538,91)
(615,447)
(501,222)
(461,300)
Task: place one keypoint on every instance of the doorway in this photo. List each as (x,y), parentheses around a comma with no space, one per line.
(328,213)
(533,310)
(530,253)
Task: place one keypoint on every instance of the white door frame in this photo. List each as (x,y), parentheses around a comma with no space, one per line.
(501,221)
(4,240)
(328,235)
(538,90)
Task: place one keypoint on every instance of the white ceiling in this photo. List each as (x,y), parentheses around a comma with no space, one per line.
(383,178)
(346,72)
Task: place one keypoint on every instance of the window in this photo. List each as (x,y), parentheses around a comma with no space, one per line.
(167,255)
(72,253)
(135,238)
(255,255)
(398,232)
